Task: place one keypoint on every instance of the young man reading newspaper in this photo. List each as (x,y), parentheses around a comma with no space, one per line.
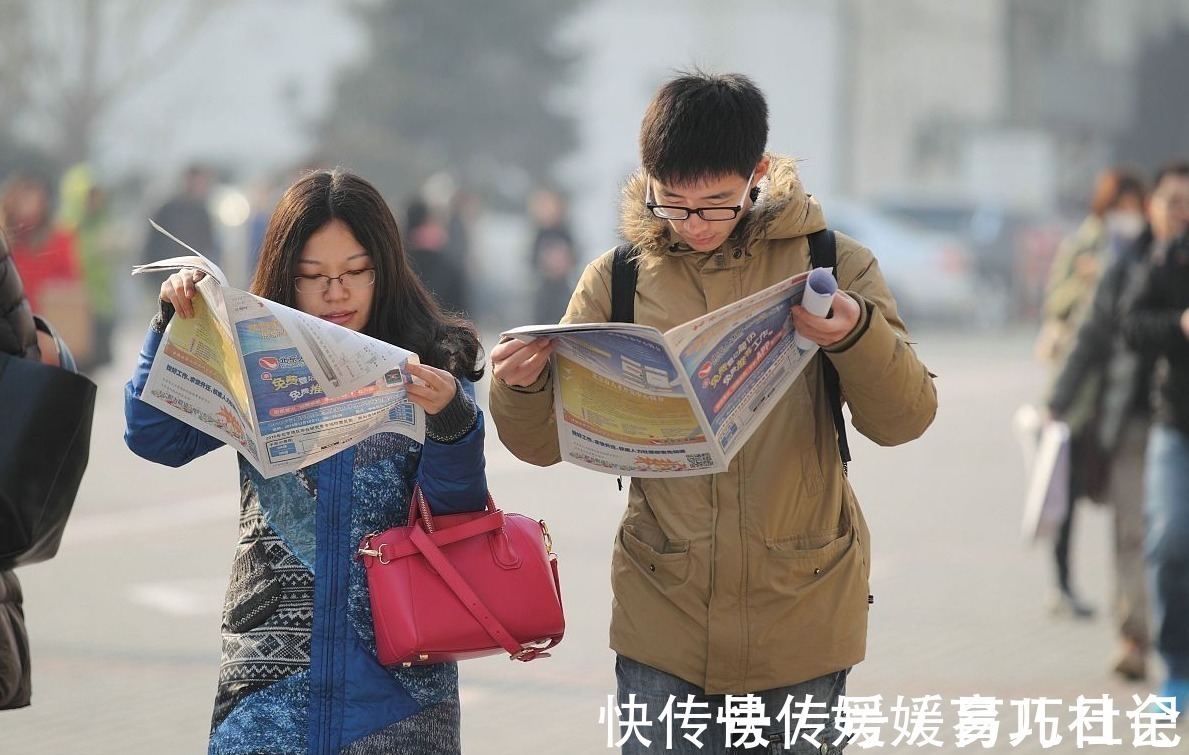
(753,580)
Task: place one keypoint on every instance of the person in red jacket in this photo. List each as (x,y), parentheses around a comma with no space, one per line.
(44,252)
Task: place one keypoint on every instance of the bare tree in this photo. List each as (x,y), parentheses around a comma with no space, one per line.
(461,87)
(65,63)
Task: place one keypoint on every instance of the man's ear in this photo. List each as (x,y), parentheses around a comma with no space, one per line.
(761,171)
(762,167)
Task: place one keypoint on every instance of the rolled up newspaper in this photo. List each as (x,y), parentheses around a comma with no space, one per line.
(819,295)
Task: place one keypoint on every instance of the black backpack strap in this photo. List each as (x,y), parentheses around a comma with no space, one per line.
(624,266)
(823,252)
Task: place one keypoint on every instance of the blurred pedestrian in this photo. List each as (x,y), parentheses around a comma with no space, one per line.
(464,208)
(429,254)
(1116,219)
(1158,325)
(552,256)
(19,337)
(754,580)
(299,671)
(186,216)
(46,254)
(86,210)
(1123,404)
(262,199)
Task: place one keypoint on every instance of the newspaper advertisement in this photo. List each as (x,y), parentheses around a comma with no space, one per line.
(283,388)
(631,400)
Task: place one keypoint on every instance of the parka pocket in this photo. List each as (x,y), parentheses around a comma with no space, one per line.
(254,591)
(802,555)
(665,560)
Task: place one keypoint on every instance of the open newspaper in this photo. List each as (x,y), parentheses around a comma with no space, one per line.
(632,400)
(283,388)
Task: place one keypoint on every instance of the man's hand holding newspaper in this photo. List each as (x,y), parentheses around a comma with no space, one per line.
(629,399)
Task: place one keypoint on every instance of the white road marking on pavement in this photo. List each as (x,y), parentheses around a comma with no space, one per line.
(182,597)
(91,527)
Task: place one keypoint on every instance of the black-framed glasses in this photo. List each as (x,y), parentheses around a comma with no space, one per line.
(712,214)
(316,284)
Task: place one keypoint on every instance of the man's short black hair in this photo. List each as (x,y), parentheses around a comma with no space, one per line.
(701,126)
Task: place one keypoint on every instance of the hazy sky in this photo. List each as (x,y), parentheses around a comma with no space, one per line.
(238,94)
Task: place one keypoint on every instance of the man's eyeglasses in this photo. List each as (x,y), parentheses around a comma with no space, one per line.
(316,284)
(674,212)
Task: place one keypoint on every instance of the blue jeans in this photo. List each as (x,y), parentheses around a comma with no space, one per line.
(652,689)
(1167,544)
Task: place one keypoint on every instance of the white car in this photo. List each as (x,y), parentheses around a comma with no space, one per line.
(933,275)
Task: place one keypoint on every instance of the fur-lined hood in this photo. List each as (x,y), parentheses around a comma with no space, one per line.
(782,211)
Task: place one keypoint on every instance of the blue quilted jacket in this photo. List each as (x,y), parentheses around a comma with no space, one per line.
(299,672)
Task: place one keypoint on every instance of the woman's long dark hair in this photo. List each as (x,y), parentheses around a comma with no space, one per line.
(404,313)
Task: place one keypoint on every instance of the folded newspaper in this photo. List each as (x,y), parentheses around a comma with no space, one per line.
(632,400)
(282,387)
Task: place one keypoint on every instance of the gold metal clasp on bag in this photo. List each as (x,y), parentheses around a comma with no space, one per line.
(548,537)
(367,550)
(530,650)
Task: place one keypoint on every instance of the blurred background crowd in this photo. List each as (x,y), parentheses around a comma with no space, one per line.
(960,141)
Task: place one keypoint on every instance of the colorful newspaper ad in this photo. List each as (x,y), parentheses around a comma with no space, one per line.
(281,387)
(632,400)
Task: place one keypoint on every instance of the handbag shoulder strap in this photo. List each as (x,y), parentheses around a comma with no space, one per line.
(473,603)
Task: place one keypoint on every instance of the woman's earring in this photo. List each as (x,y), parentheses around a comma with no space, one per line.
(754,193)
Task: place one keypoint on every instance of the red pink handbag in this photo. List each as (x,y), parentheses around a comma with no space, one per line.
(458,586)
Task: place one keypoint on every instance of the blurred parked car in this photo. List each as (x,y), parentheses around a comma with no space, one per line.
(1013,249)
(933,275)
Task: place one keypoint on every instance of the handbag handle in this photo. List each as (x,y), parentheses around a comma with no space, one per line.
(473,603)
(419,508)
(388,552)
(65,358)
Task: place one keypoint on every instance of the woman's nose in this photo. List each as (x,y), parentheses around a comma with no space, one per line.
(336,289)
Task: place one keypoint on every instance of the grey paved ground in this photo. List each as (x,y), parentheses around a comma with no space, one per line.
(125,620)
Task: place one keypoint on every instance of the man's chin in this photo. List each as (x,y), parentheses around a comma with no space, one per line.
(703,246)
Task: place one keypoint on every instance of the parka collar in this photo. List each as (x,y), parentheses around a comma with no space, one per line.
(782,211)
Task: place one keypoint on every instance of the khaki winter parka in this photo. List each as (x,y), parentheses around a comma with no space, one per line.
(754,578)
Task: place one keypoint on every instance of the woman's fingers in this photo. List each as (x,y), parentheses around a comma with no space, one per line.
(179,289)
(433,389)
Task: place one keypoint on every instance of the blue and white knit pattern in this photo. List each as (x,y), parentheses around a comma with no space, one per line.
(264,677)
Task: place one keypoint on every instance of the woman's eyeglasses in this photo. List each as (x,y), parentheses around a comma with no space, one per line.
(316,284)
